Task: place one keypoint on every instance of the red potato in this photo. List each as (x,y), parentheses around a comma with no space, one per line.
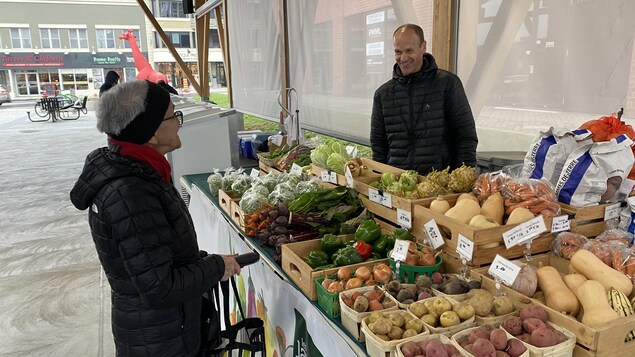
(513,325)
(515,348)
(483,348)
(480,332)
(560,337)
(532,323)
(498,338)
(525,337)
(535,312)
(543,337)
(435,349)
(450,349)
(410,349)
(469,348)
(501,354)
(423,345)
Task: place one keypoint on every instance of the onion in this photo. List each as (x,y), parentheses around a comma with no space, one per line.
(354,283)
(363,273)
(335,287)
(343,274)
(326,283)
(411,259)
(382,266)
(370,282)
(382,276)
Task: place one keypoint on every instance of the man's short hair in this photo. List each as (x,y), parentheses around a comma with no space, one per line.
(416,28)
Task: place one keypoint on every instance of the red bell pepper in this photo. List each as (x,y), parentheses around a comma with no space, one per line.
(364,249)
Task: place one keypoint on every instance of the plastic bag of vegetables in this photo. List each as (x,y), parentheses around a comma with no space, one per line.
(230,176)
(215,181)
(252,200)
(241,184)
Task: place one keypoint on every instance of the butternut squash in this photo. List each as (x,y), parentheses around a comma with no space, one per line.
(557,294)
(587,264)
(519,215)
(464,210)
(597,310)
(467,196)
(574,280)
(494,207)
(481,222)
(439,205)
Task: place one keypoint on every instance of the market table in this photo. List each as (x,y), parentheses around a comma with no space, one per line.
(293,323)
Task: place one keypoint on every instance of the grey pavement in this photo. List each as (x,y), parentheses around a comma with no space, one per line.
(54,297)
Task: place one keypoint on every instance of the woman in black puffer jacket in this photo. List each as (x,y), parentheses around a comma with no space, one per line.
(141,227)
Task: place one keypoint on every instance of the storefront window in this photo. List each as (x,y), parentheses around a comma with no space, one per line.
(179,39)
(21,38)
(50,38)
(214,41)
(168,8)
(78,38)
(74,79)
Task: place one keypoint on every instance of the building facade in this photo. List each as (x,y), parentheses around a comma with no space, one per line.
(69,46)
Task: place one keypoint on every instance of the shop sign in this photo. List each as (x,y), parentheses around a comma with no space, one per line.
(31,60)
(71,60)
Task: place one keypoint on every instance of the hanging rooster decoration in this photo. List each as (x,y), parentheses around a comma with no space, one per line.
(145,71)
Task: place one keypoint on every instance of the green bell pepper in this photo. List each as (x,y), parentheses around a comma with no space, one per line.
(317,258)
(390,242)
(403,234)
(331,243)
(346,256)
(376,256)
(380,244)
(369,231)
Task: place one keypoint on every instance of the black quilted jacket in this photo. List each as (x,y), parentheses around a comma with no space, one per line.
(147,246)
(423,121)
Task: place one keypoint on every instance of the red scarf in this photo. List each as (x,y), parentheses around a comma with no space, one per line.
(145,154)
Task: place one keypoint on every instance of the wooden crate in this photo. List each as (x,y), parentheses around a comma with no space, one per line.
(303,275)
(225,201)
(268,169)
(604,341)
(487,242)
(588,221)
(317,171)
(238,215)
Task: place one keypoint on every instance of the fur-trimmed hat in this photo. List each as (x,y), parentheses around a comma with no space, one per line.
(132,111)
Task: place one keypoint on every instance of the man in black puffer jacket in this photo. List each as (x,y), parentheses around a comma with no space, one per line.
(141,227)
(421,118)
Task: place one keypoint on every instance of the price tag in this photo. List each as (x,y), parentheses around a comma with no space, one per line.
(400,250)
(465,247)
(612,211)
(254,173)
(276,139)
(351,150)
(384,199)
(349,177)
(560,224)
(325,176)
(296,169)
(532,228)
(434,235)
(404,218)
(333,177)
(504,270)
(512,236)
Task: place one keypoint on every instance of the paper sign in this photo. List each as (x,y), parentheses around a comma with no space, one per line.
(351,151)
(434,235)
(400,250)
(532,229)
(276,139)
(349,177)
(612,211)
(254,173)
(404,218)
(384,199)
(465,247)
(560,224)
(333,177)
(329,176)
(296,169)
(504,270)
(512,236)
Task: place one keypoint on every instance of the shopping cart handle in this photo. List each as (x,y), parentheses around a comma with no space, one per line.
(247,259)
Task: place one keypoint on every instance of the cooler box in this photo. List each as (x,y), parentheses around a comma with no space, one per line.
(489,161)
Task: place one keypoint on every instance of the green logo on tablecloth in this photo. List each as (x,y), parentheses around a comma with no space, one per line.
(302,342)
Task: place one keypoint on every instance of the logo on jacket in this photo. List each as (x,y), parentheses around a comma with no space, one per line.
(94,208)
(426,107)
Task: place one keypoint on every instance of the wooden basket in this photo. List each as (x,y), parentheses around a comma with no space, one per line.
(448,331)
(420,338)
(563,349)
(238,215)
(376,347)
(607,340)
(487,242)
(263,157)
(225,201)
(459,335)
(351,319)
(588,221)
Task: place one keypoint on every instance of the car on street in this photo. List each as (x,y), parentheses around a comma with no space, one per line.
(5,97)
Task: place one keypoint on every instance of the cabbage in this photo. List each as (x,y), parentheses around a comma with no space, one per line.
(387,178)
(336,162)
(320,155)
(395,188)
(409,180)
(339,149)
(215,181)
(241,184)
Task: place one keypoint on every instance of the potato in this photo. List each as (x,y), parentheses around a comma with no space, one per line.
(498,338)
(414,324)
(535,312)
(513,325)
(560,337)
(501,354)
(435,349)
(482,303)
(450,349)
(515,348)
(360,304)
(543,337)
(395,333)
(483,348)
(469,348)
(464,310)
(418,309)
(397,320)
(479,332)
(409,333)
(502,305)
(531,324)
(423,345)
(381,327)
(383,337)
(410,349)
(525,337)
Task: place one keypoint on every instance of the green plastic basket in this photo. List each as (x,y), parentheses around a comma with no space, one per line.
(330,303)
(408,273)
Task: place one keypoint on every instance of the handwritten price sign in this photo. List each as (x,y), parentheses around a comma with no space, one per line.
(431,229)
(504,270)
(382,198)
(404,218)
(465,247)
